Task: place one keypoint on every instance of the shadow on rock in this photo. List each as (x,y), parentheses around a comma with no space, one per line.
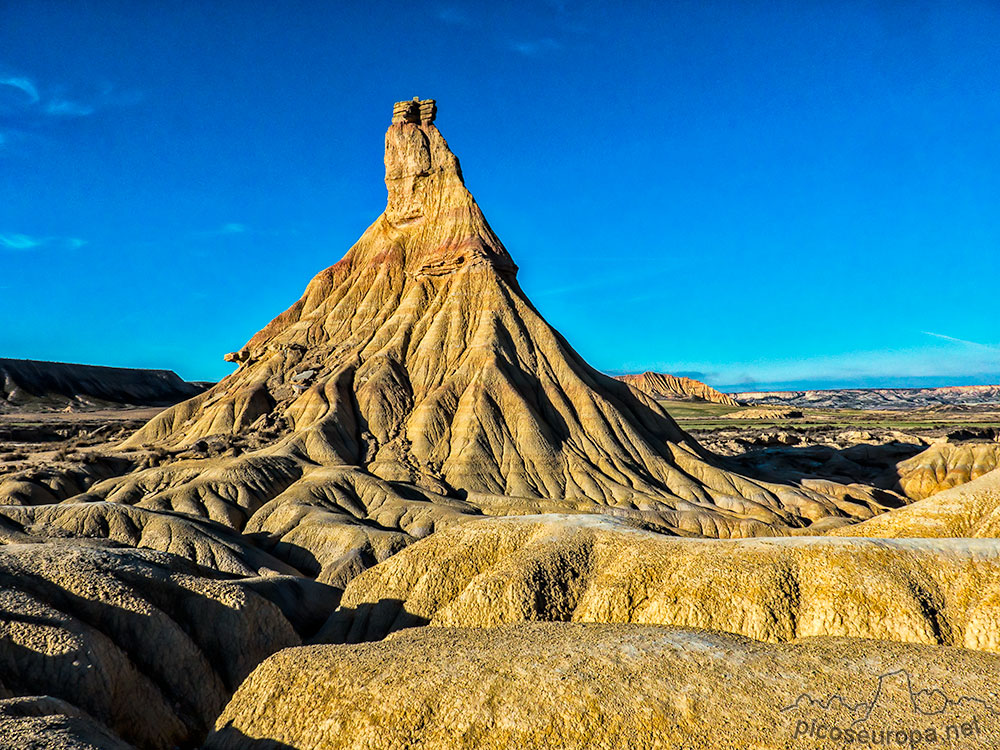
(872,465)
(174,645)
(368,622)
(231,738)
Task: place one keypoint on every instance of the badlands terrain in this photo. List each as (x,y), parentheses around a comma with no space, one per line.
(414,516)
(878,398)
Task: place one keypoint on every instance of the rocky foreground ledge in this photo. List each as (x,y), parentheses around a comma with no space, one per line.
(611,686)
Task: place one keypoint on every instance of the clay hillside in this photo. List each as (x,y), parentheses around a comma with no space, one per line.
(660,385)
(29,384)
(413,384)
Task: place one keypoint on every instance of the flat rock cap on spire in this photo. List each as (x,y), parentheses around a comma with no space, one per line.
(417,111)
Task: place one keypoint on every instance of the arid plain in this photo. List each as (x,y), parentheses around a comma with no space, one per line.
(414,516)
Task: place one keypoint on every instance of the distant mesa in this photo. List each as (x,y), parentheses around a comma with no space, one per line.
(765,413)
(660,385)
(877,398)
(27,384)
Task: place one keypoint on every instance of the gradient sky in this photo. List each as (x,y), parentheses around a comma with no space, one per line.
(761,194)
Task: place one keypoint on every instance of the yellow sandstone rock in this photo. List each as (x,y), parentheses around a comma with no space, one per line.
(969,510)
(589,569)
(136,640)
(946,465)
(570,685)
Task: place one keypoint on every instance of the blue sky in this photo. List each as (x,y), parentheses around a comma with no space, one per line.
(761,194)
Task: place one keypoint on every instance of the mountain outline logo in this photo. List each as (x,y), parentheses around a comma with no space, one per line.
(895,712)
(916,696)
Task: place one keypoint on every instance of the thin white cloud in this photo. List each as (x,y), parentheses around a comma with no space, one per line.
(14,241)
(109,96)
(66,108)
(19,241)
(52,101)
(233,227)
(22,84)
(956,340)
(534,47)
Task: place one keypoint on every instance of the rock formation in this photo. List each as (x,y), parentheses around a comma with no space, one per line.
(203,542)
(968,510)
(133,644)
(660,385)
(946,465)
(588,569)
(570,685)
(28,384)
(413,385)
(44,723)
